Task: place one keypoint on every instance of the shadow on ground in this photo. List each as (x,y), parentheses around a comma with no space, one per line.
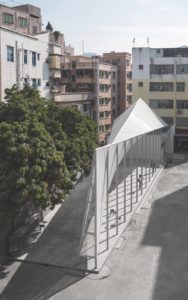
(58,245)
(168,229)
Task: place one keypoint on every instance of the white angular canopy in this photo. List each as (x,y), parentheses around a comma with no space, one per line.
(136,120)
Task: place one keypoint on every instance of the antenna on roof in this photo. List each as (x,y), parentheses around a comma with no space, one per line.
(148,41)
(82,47)
(133,42)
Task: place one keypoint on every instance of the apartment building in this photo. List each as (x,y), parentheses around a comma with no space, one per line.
(160,77)
(26,59)
(123,62)
(90,85)
(23,18)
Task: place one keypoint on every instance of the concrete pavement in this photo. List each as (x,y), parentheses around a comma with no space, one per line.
(149,262)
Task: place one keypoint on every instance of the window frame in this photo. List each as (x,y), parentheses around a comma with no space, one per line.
(10,54)
(6,16)
(180,86)
(161,87)
(34,58)
(25,57)
(161,103)
(21,22)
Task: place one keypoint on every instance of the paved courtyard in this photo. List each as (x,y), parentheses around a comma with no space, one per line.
(149,262)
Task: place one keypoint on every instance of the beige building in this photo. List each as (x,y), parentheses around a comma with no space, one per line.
(23,18)
(123,62)
(88,84)
(160,77)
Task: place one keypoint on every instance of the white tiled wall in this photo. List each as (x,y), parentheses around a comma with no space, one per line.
(15,72)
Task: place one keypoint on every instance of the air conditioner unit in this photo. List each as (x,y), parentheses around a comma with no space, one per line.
(179,111)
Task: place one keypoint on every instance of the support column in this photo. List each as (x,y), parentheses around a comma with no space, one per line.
(124,173)
(137,163)
(131,169)
(117,189)
(107,200)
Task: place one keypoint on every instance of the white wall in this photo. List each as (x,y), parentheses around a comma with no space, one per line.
(147,56)
(15,72)
(140,56)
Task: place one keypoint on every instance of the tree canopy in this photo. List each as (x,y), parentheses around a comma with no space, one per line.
(43,147)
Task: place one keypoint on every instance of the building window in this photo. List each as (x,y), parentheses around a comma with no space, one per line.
(104,128)
(114,62)
(158,51)
(182,122)
(161,86)
(8,18)
(39,82)
(114,75)
(114,100)
(182,104)
(38,56)
(10,54)
(101,128)
(103,87)
(129,75)
(161,104)
(25,57)
(25,82)
(113,87)
(104,114)
(140,67)
(161,69)
(73,64)
(35,30)
(180,86)
(182,69)
(104,101)
(34,83)
(22,22)
(107,127)
(140,84)
(129,87)
(114,112)
(85,107)
(34,60)
(168,120)
(127,63)
(103,74)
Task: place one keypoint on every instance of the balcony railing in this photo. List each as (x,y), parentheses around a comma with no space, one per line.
(78,65)
(74,97)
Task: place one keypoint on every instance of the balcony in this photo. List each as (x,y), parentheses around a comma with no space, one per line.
(55,90)
(55,49)
(85,79)
(55,62)
(77,65)
(74,97)
(55,74)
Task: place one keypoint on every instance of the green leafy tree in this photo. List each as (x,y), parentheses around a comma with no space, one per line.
(43,146)
(81,136)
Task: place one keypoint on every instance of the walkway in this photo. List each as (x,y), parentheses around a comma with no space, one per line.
(150,261)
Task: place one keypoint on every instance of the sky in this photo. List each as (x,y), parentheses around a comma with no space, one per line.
(112,25)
